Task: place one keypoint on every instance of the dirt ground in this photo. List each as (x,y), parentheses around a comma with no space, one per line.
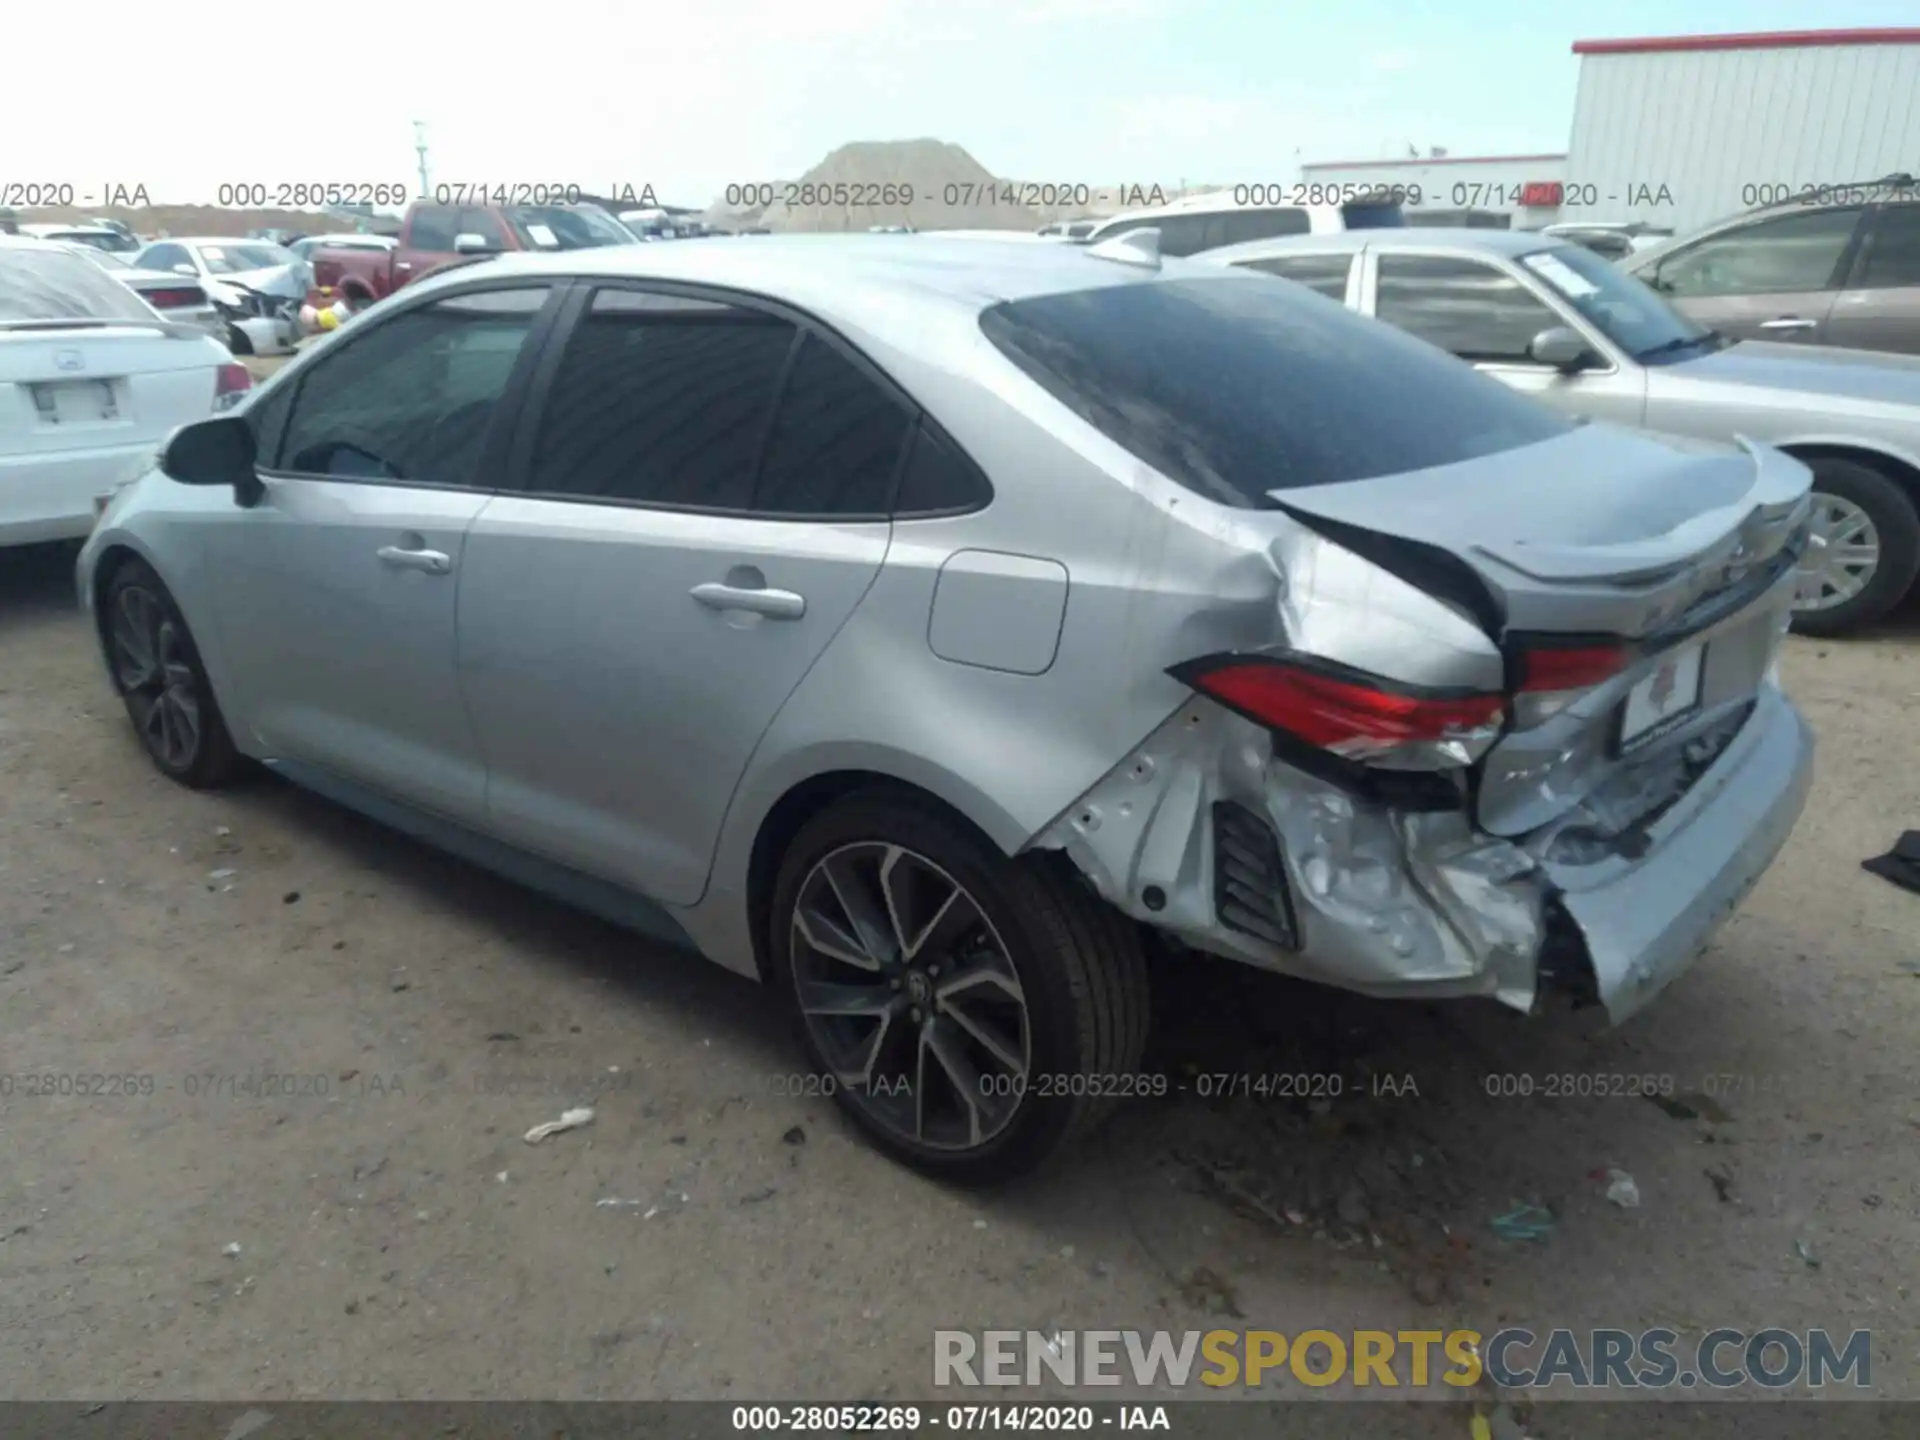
(385,1232)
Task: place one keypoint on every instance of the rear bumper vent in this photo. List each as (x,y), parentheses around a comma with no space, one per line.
(1250,890)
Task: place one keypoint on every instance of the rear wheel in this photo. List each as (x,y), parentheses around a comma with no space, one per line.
(1864,552)
(972,1014)
(158,673)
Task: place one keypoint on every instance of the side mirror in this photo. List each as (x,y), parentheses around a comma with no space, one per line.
(1562,348)
(185,268)
(219,451)
(471,244)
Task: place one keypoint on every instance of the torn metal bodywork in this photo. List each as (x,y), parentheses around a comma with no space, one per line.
(1379,898)
(1383,902)
(1222,834)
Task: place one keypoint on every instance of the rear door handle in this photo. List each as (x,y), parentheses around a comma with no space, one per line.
(434,562)
(1789,322)
(774,604)
(403,264)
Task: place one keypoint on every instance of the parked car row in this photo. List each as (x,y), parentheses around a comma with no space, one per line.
(931,627)
(347,279)
(1555,321)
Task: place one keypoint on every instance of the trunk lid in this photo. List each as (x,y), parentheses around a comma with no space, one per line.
(1601,531)
(1682,551)
(86,387)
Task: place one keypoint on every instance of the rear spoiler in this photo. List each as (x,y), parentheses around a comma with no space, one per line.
(1779,490)
(172,329)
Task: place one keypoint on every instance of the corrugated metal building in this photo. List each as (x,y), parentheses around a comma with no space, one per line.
(1517,185)
(1682,130)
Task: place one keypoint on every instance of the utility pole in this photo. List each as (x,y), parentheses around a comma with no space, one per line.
(420,151)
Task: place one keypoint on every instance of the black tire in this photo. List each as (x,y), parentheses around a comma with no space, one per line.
(237,342)
(1897,520)
(175,676)
(1079,962)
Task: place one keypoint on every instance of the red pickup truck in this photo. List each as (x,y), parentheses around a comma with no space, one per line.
(434,234)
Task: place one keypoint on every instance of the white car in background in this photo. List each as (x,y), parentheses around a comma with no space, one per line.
(92,382)
(174,296)
(108,238)
(257,286)
(1218,218)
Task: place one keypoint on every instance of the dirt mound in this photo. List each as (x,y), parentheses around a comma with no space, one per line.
(928,184)
(867,184)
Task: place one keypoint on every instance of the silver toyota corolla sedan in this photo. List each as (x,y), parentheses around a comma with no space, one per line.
(1556,321)
(927,627)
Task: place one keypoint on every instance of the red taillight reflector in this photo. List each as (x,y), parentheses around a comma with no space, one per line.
(175,299)
(1338,712)
(232,379)
(1570,667)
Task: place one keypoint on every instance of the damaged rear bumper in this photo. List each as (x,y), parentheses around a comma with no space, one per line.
(1644,921)
(1203,835)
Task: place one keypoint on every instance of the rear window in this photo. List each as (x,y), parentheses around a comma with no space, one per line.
(1234,387)
(51,284)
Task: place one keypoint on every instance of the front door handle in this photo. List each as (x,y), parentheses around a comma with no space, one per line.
(434,562)
(774,604)
(1789,322)
(403,264)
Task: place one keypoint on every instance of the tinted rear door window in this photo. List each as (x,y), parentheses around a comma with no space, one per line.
(661,400)
(1233,387)
(837,439)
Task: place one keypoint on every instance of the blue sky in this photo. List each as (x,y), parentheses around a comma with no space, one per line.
(691,96)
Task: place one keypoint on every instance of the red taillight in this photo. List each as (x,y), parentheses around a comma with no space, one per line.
(1348,712)
(1548,668)
(175,299)
(231,384)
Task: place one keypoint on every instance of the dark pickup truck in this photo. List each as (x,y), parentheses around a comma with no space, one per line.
(433,235)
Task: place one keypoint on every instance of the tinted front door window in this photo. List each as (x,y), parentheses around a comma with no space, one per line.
(1464,306)
(411,399)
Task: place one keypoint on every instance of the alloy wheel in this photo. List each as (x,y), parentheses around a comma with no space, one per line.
(910,996)
(1842,553)
(152,667)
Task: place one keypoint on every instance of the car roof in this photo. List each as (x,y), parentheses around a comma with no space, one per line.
(887,287)
(33,242)
(961,268)
(1442,237)
(42,228)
